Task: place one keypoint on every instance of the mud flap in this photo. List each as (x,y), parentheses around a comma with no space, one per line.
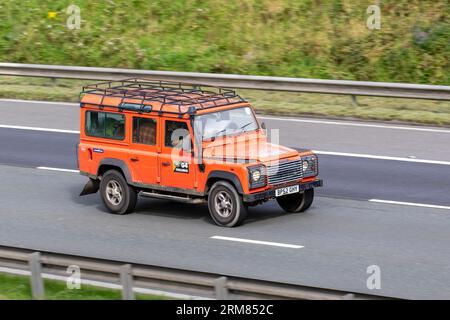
(91,186)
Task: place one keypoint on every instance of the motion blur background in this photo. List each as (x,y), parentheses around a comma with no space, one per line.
(299,38)
(327,39)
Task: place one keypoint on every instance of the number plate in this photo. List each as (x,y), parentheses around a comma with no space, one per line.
(288,190)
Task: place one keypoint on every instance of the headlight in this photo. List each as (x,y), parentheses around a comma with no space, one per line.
(305,165)
(310,166)
(257,176)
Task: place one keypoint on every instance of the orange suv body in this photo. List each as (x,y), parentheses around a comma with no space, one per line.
(188,143)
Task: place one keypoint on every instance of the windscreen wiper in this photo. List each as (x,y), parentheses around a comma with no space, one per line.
(245,126)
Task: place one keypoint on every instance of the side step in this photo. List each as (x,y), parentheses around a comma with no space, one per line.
(172,197)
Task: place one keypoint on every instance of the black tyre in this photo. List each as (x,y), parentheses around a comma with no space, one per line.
(225,205)
(117,196)
(297,202)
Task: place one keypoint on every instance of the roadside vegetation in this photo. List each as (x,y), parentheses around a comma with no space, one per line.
(297,38)
(13,287)
(266,102)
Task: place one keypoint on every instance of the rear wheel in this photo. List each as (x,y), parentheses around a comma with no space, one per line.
(297,202)
(225,205)
(117,196)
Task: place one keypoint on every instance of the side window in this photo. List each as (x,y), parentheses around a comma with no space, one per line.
(105,125)
(175,133)
(144,131)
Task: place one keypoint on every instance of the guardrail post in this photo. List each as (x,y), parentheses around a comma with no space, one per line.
(220,287)
(37,284)
(126,278)
(354,101)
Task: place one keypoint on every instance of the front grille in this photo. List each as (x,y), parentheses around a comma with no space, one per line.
(285,171)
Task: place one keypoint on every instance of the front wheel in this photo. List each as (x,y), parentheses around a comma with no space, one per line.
(297,202)
(118,197)
(225,205)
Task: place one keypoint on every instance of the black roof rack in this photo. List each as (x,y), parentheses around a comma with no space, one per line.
(187,97)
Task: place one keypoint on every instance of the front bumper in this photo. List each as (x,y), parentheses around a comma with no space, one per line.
(270,193)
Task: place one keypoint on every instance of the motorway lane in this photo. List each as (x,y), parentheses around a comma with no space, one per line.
(364,137)
(318,134)
(350,178)
(37,148)
(341,238)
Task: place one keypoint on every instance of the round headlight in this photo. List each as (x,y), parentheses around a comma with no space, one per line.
(305,165)
(256,175)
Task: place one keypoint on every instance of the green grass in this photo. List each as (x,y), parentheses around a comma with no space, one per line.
(295,38)
(298,38)
(13,287)
(266,102)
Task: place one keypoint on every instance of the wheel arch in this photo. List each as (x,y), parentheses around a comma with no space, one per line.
(110,163)
(217,175)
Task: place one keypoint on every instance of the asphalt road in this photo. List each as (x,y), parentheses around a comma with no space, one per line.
(345,177)
(318,134)
(341,238)
(342,234)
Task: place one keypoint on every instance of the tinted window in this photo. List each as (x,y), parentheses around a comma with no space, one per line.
(175,133)
(144,131)
(105,125)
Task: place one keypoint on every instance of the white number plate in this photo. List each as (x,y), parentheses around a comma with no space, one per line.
(288,190)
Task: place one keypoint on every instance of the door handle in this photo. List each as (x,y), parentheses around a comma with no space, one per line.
(134,159)
(166,164)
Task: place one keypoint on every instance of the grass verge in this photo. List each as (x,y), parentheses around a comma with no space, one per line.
(14,287)
(266,102)
(330,39)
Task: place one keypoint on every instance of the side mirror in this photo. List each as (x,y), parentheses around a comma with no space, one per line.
(263,125)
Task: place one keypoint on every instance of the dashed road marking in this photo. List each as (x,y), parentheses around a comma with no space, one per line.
(58,169)
(412,204)
(266,243)
(5,126)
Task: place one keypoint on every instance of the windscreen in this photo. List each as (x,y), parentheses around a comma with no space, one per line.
(227,122)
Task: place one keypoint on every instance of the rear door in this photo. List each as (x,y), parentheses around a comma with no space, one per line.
(176,160)
(144,150)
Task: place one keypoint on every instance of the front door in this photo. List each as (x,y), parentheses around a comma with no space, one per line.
(176,160)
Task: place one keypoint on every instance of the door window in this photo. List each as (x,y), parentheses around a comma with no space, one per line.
(177,135)
(144,131)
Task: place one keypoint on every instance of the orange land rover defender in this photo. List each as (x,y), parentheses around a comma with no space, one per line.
(188,143)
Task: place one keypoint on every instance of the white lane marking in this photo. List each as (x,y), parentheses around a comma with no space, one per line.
(108,285)
(355,124)
(410,204)
(327,122)
(342,154)
(57,169)
(5,126)
(41,102)
(369,156)
(267,243)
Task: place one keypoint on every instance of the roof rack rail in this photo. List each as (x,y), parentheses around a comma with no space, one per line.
(187,97)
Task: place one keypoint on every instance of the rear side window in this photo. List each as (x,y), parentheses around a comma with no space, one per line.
(105,125)
(144,131)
